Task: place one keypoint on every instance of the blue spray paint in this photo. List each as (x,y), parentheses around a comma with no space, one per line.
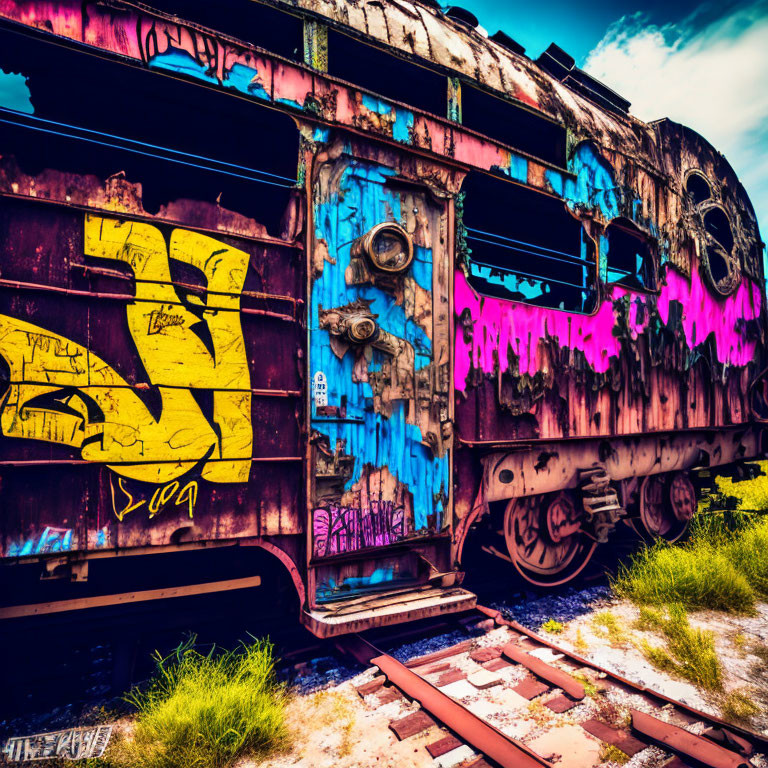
(239,78)
(50,540)
(403,118)
(14,92)
(361,202)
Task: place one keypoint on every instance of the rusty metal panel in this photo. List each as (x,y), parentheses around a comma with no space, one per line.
(152,392)
(682,356)
(154,41)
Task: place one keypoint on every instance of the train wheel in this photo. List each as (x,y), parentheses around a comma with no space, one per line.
(545,540)
(667,504)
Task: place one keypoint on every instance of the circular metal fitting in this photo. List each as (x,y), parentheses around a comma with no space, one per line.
(388,247)
(361,330)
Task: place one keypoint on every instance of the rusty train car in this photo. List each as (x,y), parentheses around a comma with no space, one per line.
(344,280)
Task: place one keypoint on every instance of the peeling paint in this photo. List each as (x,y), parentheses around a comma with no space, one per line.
(359,200)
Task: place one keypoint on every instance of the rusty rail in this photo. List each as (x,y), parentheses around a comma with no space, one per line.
(482,736)
(546,671)
(751,737)
(686,743)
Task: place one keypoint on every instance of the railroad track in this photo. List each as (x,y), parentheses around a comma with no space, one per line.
(513,699)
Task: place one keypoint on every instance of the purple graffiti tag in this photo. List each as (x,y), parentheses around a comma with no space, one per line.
(346,529)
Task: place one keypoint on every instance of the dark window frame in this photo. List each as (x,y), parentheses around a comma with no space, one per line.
(628,229)
(536,119)
(142,147)
(552,257)
(397,95)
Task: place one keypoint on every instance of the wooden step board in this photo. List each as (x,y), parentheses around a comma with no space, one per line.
(385,608)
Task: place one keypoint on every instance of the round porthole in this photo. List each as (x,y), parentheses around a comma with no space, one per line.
(388,247)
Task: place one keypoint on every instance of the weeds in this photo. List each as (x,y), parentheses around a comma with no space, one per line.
(740,643)
(690,652)
(608,625)
(748,551)
(739,707)
(333,709)
(649,618)
(580,645)
(205,711)
(590,689)
(538,713)
(713,572)
(553,627)
(611,754)
(658,656)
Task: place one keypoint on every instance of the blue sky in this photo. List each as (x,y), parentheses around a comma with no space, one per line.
(701,64)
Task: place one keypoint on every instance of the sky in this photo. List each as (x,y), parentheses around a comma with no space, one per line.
(704,65)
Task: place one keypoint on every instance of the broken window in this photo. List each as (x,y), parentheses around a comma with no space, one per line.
(177,139)
(513,125)
(386,74)
(526,246)
(263,25)
(630,261)
(698,188)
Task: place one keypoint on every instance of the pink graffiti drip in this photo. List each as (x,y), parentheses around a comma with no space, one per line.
(502,328)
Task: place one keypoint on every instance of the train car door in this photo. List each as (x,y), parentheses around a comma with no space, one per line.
(380,374)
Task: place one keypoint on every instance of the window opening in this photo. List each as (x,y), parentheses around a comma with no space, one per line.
(386,74)
(513,125)
(526,247)
(184,142)
(269,28)
(630,261)
(718,266)
(716,223)
(698,188)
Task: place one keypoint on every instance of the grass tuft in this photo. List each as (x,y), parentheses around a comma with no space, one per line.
(690,652)
(580,644)
(658,656)
(739,707)
(608,625)
(650,618)
(206,711)
(590,689)
(612,754)
(748,552)
(553,627)
(704,573)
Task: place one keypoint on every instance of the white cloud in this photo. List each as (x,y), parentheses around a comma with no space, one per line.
(709,75)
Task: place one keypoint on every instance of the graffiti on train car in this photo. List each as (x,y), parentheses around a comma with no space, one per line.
(189,344)
(499,329)
(526,343)
(337,529)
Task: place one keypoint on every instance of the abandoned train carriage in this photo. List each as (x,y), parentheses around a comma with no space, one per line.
(343,279)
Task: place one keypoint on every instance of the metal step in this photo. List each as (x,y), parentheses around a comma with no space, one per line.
(385,608)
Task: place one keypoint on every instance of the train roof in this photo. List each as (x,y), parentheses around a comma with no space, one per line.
(451,41)
(421,30)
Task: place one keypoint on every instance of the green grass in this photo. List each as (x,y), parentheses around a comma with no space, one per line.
(205,711)
(608,625)
(748,552)
(716,569)
(611,754)
(690,652)
(552,626)
(739,707)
